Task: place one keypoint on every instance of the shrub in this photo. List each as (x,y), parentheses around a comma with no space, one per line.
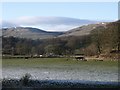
(25,79)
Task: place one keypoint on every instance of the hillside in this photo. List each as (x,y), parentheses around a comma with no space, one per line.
(28,32)
(101,41)
(83,30)
(34,33)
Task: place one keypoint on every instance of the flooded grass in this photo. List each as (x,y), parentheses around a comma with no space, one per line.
(60,70)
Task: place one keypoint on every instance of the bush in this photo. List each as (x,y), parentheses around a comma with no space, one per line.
(25,79)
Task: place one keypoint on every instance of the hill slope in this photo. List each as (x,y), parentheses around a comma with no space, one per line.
(28,32)
(34,33)
(83,30)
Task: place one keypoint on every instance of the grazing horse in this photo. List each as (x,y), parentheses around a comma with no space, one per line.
(26,58)
(80,58)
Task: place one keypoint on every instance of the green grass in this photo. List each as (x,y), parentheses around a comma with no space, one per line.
(56,62)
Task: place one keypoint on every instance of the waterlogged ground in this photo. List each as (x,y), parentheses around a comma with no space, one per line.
(61,69)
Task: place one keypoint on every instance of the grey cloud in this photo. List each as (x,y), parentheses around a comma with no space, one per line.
(5,24)
(52,20)
(47,23)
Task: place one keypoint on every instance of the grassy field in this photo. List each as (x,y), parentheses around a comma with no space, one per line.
(55,62)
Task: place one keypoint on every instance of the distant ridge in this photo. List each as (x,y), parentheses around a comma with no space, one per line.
(28,32)
(35,33)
